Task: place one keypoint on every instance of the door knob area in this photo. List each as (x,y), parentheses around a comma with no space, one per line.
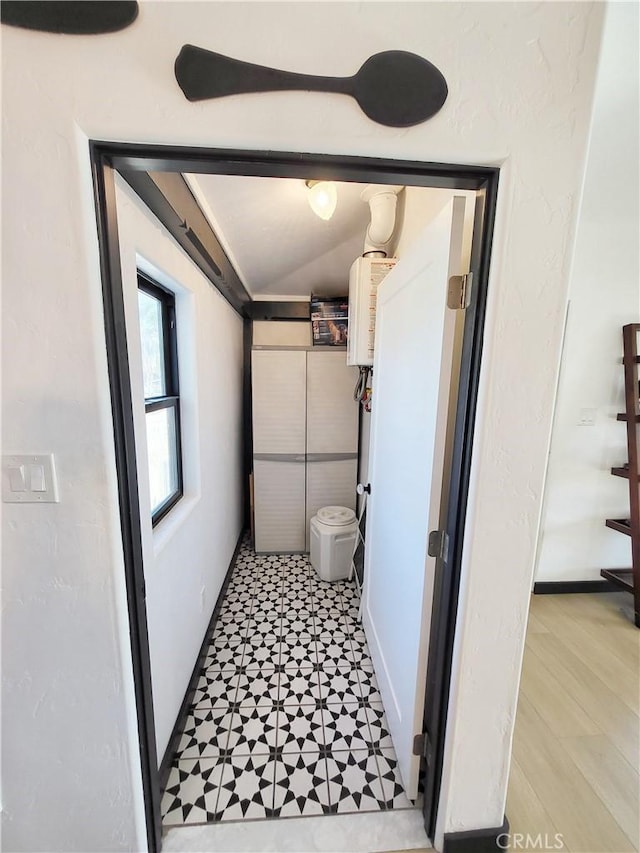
(361,489)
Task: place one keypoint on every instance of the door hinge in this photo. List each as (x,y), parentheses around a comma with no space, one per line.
(438,544)
(422,746)
(459,293)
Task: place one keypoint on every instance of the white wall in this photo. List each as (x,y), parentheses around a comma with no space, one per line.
(521,82)
(605,294)
(188,553)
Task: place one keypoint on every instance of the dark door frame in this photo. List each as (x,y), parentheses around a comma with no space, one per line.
(108,159)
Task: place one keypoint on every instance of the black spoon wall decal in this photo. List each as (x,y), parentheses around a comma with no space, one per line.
(74,17)
(394,88)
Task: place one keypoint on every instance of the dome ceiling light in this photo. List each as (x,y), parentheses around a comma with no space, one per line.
(323,198)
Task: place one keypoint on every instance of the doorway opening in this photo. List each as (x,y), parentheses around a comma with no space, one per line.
(152,171)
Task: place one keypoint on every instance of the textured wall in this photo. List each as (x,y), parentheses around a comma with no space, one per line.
(604,294)
(521,81)
(187,555)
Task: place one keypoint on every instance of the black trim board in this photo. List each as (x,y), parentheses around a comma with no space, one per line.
(247,418)
(171,201)
(447,576)
(140,157)
(185,707)
(564,587)
(478,840)
(127,474)
(144,158)
(169,198)
(201,235)
(267,310)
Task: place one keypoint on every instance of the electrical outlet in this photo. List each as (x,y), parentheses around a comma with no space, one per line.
(587,417)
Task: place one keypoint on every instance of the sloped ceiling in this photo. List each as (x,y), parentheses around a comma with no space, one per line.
(278,246)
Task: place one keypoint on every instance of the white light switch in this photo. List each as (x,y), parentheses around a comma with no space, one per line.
(16,479)
(29,479)
(37,479)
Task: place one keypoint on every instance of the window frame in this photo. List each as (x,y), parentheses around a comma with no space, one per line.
(171,399)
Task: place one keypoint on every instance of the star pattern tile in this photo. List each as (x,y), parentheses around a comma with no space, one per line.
(287,719)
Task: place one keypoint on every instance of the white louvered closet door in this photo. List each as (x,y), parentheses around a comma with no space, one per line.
(330,482)
(332,413)
(279,439)
(279,494)
(332,433)
(279,404)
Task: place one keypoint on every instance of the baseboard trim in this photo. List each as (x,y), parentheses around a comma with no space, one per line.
(478,840)
(174,740)
(563,587)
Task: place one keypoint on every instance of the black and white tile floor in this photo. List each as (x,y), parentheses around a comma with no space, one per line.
(287,719)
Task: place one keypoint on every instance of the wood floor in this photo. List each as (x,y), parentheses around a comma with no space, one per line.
(576,748)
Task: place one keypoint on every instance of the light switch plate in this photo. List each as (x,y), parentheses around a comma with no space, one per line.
(29,478)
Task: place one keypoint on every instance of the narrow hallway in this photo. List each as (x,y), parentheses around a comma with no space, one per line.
(287,720)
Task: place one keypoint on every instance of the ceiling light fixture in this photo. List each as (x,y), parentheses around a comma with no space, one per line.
(323,198)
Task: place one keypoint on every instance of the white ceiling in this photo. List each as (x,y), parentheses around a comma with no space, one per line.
(277,245)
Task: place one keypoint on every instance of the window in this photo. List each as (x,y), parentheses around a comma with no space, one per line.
(156,309)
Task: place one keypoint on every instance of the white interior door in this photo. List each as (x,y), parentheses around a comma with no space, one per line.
(411,376)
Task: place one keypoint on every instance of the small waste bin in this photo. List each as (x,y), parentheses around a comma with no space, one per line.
(333,538)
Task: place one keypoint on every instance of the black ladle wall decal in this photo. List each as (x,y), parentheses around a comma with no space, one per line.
(394,88)
(74,17)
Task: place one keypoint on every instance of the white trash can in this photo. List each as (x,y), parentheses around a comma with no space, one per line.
(333,538)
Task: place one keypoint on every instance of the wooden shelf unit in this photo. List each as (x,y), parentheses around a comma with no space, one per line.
(621,472)
(622,525)
(629,579)
(620,577)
